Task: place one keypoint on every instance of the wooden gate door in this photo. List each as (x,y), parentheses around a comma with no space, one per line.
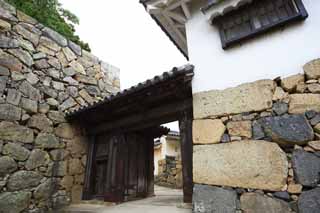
(118,168)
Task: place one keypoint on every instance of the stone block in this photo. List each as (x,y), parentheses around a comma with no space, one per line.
(64,130)
(306,167)
(256,96)
(309,201)
(240,128)
(37,158)
(13,202)
(314,145)
(9,112)
(312,69)
(29,105)
(287,130)
(13,97)
(257,203)
(290,83)
(16,151)
(246,164)
(55,36)
(67,182)
(46,189)
(67,104)
(207,131)
(213,199)
(78,67)
(75,167)
(47,141)
(7,165)
(295,188)
(23,180)
(300,103)
(23,56)
(76,193)
(13,132)
(40,122)
(30,36)
(27,89)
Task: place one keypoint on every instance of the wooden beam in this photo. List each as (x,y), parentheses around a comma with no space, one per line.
(175,30)
(178,17)
(177,4)
(186,10)
(151,117)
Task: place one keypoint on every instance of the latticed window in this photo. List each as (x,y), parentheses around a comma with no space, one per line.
(258,17)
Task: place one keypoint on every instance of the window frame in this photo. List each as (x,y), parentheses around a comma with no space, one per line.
(227,43)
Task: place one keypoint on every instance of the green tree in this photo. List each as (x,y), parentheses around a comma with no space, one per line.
(51,14)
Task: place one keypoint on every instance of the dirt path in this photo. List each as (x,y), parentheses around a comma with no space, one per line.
(166,200)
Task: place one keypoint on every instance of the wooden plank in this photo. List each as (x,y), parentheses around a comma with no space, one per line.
(185,125)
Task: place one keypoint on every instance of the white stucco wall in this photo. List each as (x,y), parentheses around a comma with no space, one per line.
(279,53)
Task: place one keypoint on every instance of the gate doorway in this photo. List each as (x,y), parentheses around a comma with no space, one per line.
(121,132)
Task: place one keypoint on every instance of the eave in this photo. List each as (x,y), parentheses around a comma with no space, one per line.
(171,16)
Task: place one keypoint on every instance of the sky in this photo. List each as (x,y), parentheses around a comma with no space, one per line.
(123,34)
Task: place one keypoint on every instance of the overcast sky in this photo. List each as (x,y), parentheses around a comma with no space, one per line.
(122,33)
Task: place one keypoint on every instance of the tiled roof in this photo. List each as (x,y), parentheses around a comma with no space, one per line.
(186,70)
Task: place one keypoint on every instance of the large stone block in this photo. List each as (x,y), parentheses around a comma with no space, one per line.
(300,103)
(23,180)
(287,130)
(213,199)
(290,83)
(257,203)
(47,141)
(9,112)
(246,164)
(45,190)
(312,69)
(37,158)
(13,202)
(306,167)
(207,131)
(16,151)
(64,130)
(309,201)
(13,132)
(7,165)
(248,97)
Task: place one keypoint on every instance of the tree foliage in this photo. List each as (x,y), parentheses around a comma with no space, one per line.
(51,14)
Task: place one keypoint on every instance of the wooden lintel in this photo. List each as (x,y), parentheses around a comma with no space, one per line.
(152,117)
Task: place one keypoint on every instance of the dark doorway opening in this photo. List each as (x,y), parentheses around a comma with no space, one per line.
(121,131)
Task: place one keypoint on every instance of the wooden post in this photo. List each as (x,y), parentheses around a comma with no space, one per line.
(185,125)
(87,187)
(150,180)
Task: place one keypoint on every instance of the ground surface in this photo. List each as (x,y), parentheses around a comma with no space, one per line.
(165,201)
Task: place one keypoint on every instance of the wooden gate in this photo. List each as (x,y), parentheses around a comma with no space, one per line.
(120,167)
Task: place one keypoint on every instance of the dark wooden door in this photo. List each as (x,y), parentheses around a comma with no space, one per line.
(120,167)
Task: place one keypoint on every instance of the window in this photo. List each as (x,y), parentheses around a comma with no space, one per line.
(256,18)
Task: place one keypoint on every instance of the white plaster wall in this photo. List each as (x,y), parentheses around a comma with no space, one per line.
(157,157)
(280,53)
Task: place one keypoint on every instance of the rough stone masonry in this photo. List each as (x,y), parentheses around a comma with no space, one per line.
(43,75)
(257,146)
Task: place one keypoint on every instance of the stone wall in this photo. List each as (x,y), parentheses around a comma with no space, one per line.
(169,173)
(43,75)
(257,146)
